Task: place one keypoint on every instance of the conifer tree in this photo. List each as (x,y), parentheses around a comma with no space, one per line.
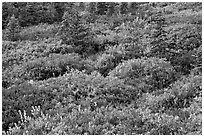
(60,8)
(8,9)
(117,8)
(73,30)
(102,8)
(123,7)
(158,36)
(12,29)
(91,12)
(111,9)
(82,6)
(31,9)
(92,7)
(133,7)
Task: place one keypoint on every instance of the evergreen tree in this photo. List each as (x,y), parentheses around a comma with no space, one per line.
(46,13)
(82,6)
(124,7)
(102,8)
(92,7)
(117,8)
(133,7)
(12,29)
(74,31)
(8,9)
(158,36)
(91,12)
(31,9)
(111,8)
(60,8)
(30,14)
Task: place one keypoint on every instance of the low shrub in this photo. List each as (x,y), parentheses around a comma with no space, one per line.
(22,97)
(181,95)
(108,121)
(78,88)
(152,73)
(185,16)
(184,37)
(47,67)
(23,51)
(184,45)
(187,61)
(93,87)
(105,63)
(39,32)
(8,45)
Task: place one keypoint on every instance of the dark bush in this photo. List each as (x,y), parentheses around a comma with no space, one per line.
(105,63)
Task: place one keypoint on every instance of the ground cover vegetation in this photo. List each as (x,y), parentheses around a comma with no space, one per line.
(100,68)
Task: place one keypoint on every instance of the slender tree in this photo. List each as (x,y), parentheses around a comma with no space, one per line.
(158,35)
(133,7)
(92,7)
(82,6)
(73,30)
(60,9)
(102,8)
(111,9)
(91,11)
(123,7)
(12,29)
